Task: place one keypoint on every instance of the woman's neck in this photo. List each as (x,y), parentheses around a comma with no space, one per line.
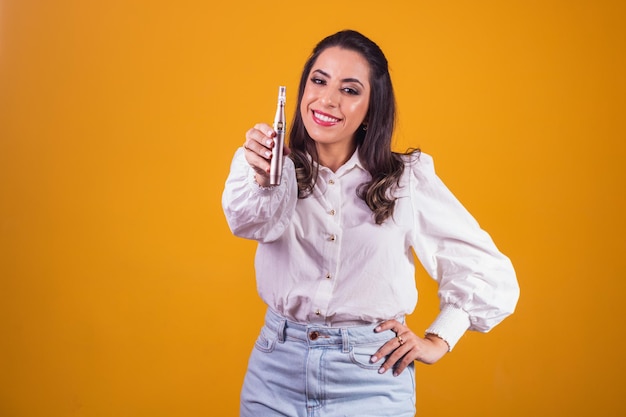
(333,156)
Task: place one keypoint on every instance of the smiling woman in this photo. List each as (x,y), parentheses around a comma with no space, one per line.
(335,262)
(335,103)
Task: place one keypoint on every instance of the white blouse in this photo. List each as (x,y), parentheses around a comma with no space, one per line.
(323,259)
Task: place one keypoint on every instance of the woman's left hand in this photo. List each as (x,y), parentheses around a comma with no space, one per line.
(407,347)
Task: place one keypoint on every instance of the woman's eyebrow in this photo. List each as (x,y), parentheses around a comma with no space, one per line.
(347,80)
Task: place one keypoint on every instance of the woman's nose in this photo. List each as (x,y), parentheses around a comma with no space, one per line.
(330,98)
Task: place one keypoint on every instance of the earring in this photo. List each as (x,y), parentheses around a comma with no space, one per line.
(364,127)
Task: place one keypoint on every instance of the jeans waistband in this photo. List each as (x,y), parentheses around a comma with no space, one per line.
(319,335)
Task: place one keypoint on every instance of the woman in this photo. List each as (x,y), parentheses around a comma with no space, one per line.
(335,256)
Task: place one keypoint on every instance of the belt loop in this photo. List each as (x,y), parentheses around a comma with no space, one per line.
(281,330)
(345,341)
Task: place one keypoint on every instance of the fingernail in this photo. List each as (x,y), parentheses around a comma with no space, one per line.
(269,142)
(374,359)
(377,329)
(381,370)
(268,154)
(395,374)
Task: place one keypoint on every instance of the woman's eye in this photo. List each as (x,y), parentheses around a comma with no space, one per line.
(351,91)
(317,81)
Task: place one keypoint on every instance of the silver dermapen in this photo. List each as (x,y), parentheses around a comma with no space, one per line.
(276,164)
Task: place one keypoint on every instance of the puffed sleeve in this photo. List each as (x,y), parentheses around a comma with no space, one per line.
(477,283)
(255,212)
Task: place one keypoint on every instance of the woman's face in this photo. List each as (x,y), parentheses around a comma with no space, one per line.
(336,96)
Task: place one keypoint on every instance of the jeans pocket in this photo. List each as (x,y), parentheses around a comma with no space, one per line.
(266,340)
(361,355)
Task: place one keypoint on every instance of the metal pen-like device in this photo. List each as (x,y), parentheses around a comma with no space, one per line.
(280,126)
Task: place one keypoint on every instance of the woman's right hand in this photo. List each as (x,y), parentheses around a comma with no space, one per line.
(258,151)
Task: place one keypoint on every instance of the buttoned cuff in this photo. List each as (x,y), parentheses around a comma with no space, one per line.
(451,323)
(255,186)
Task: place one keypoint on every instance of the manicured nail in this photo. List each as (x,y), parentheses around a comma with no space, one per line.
(268,154)
(381,370)
(377,329)
(374,359)
(269,142)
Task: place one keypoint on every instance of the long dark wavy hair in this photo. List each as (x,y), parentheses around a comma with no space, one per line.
(374,142)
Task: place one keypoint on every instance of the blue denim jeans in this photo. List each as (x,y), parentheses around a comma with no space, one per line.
(298,370)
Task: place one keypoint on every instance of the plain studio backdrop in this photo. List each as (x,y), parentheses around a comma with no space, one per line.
(122,291)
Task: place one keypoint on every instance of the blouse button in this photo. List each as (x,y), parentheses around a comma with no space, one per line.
(317,312)
(331,182)
(332,238)
(332,212)
(328,276)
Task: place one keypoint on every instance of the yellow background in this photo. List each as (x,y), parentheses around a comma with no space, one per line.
(122,291)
